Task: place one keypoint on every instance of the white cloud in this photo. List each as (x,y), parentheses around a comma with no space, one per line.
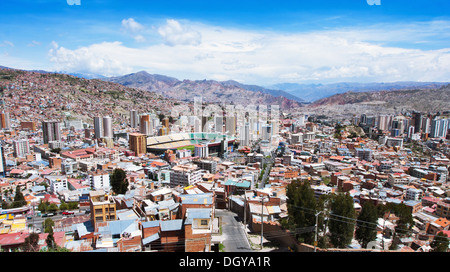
(97,58)
(176,34)
(133,28)
(198,51)
(131,25)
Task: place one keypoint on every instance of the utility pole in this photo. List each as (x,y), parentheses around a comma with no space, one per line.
(262,219)
(245,209)
(317,225)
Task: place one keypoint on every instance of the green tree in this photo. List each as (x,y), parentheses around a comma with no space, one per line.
(405,222)
(73,205)
(63,206)
(52,207)
(50,240)
(118,181)
(301,206)
(48,225)
(31,243)
(19,200)
(43,205)
(342,220)
(366,230)
(440,243)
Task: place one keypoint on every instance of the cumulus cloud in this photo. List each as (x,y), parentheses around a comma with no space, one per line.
(176,34)
(131,25)
(265,57)
(97,58)
(133,28)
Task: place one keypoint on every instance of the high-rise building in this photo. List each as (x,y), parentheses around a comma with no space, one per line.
(51,131)
(439,128)
(230,125)
(134,118)
(138,143)
(2,162)
(98,127)
(218,124)
(410,131)
(107,127)
(245,135)
(266,132)
(201,150)
(21,148)
(145,125)
(5,120)
(417,121)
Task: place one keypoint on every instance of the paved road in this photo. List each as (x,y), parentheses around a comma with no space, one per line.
(235,239)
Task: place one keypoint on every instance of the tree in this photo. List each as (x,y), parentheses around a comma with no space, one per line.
(50,240)
(42,207)
(366,230)
(63,206)
(48,225)
(405,221)
(342,222)
(31,243)
(440,243)
(118,181)
(19,200)
(301,205)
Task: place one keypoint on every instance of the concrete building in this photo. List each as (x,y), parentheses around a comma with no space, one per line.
(134,120)
(138,143)
(107,127)
(185,174)
(99,180)
(21,147)
(51,131)
(102,206)
(98,127)
(57,183)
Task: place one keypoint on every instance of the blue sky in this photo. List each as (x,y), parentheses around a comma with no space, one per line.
(256,42)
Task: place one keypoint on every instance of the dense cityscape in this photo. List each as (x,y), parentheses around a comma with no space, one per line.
(93,166)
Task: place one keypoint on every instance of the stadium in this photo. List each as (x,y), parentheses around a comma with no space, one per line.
(217,143)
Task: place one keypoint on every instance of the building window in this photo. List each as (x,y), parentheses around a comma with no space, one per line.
(203,222)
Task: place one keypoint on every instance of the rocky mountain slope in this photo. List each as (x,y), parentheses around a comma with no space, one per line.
(314,92)
(36,96)
(420,99)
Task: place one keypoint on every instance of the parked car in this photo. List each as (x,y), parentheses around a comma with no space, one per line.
(67,213)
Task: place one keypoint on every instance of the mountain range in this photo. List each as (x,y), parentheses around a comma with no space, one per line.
(419,95)
(315,92)
(227,92)
(418,99)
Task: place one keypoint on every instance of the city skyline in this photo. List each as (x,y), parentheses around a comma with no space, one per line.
(251,42)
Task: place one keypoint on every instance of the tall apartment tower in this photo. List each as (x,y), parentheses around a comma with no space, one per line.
(138,143)
(5,120)
(21,148)
(2,162)
(145,125)
(230,125)
(134,119)
(245,135)
(98,127)
(51,131)
(218,124)
(107,127)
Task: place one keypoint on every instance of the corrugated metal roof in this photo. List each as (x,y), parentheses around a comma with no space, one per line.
(119,226)
(150,224)
(171,225)
(150,239)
